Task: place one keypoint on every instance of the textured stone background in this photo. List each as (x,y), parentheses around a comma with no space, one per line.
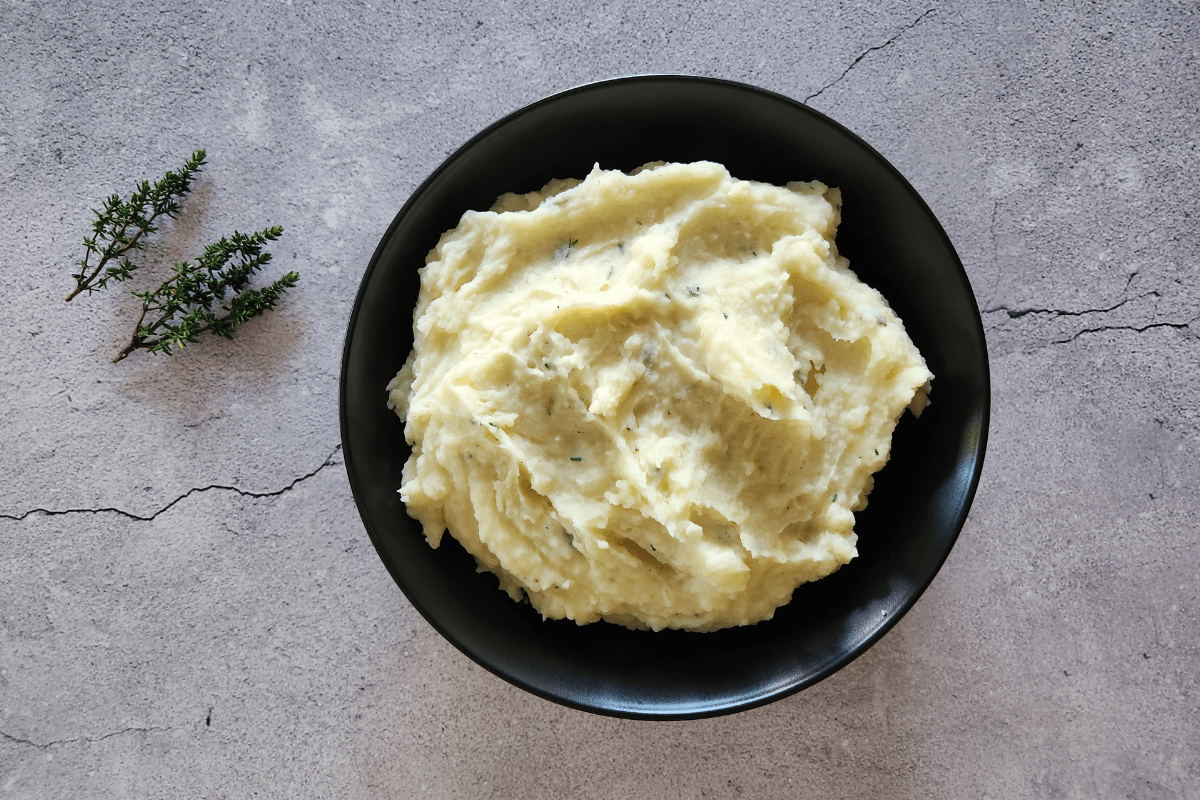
(189,605)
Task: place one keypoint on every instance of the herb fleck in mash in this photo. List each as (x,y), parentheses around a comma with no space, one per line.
(651,398)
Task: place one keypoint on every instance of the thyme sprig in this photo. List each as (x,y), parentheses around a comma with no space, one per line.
(193,300)
(119,228)
(208,296)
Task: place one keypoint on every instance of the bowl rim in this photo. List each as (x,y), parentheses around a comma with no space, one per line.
(770,694)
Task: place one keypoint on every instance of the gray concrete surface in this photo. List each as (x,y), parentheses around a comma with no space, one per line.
(189,605)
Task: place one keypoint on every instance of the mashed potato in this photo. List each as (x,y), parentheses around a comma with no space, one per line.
(651,398)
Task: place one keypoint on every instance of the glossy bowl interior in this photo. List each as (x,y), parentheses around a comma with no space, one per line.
(921,497)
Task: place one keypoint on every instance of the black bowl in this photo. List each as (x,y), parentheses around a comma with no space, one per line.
(921,497)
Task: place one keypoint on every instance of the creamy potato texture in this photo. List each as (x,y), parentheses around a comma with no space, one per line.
(651,398)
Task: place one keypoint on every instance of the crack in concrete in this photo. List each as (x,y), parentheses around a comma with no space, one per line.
(868,51)
(1135,328)
(87,739)
(1017,313)
(329,461)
